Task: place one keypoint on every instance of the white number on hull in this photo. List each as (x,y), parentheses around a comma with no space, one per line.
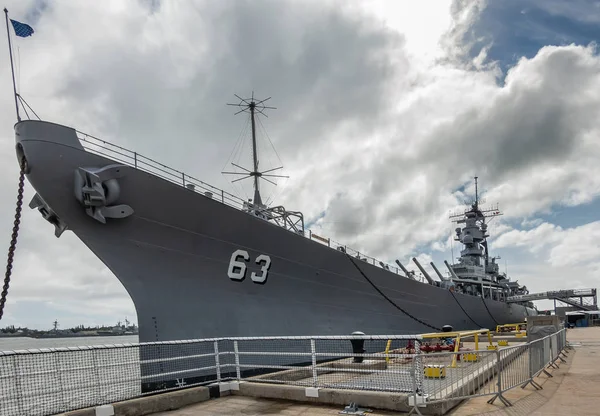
(264,269)
(237,267)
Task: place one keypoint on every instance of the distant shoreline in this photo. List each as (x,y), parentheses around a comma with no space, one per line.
(50,335)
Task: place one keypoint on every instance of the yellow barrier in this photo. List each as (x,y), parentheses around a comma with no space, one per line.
(458,335)
(434,371)
(387,350)
(513,327)
(469,357)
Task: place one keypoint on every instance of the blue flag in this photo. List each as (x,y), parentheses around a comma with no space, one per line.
(22,29)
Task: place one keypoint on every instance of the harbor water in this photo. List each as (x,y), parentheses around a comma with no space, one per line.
(42,384)
(24,343)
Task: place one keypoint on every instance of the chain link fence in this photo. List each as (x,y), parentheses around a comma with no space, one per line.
(49,381)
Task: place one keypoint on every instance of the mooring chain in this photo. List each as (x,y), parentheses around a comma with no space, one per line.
(13,241)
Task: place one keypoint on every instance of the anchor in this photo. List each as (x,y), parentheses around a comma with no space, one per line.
(38,202)
(97,188)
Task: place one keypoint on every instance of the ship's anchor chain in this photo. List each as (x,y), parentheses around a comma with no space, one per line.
(15,233)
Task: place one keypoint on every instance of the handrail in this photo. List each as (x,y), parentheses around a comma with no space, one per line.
(120,154)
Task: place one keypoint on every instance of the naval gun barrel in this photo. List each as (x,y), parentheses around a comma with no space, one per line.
(429,279)
(450,270)
(406,272)
(442,278)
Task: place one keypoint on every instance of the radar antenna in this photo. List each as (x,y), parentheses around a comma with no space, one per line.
(481,214)
(249,105)
(476,195)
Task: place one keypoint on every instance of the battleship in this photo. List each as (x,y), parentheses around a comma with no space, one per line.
(199,262)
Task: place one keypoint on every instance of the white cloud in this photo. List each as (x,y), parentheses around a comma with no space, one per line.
(535,240)
(552,257)
(378,122)
(578,247)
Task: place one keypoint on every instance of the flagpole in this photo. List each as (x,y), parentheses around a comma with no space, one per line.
(11,64)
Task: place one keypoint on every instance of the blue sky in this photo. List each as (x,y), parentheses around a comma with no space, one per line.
(517,28)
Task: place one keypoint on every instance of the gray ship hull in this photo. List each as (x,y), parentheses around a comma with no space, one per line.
(173,254)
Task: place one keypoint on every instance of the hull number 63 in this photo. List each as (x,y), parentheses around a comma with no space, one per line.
(237,267)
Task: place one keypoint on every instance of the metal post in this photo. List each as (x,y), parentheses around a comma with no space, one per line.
(237,360)
(135,159)
(96,367)
(499,368)
(222,196)
(415,390)
(60,383)
(11,65)
(552,347)
(533,359)
(217,361)
(18,385)
(183,177)
(419,367)
(313,352)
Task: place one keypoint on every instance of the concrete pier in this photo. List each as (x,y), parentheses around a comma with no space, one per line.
(572,389)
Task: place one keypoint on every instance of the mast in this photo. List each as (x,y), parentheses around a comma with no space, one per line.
(476,195)
(252,106)
(255,173)
(11,65)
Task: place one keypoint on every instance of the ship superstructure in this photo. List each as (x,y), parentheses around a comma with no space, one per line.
(476,273)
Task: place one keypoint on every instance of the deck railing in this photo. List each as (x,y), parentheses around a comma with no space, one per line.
(128,157)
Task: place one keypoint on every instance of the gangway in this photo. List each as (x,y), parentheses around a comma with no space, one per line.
(573,297)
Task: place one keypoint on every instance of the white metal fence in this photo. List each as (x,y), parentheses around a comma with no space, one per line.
(50,381)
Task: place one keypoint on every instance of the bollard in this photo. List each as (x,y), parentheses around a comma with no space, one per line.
(447,328)
(358,346)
